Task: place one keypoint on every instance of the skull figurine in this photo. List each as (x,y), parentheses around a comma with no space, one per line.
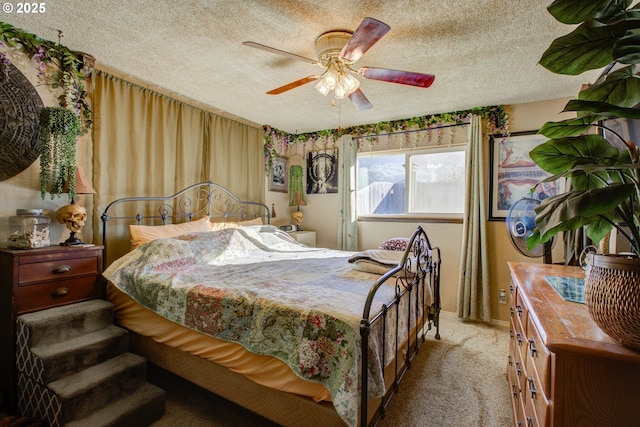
(73,216)
(297,218)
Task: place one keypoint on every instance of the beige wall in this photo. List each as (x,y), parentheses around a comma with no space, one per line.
(23,190)
(321,215)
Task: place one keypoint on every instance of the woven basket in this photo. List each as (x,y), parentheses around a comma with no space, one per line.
(612,295)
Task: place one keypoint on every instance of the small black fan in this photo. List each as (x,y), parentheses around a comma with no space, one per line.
(520,224)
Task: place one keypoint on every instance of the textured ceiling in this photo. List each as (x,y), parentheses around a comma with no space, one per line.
(483,52)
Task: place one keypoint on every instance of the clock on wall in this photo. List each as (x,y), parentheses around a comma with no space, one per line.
(20,107)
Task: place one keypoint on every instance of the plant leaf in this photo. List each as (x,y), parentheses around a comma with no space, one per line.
(569,127)
(588,47)
(568,211)
(559,155)
(599,228)
(621,88)
(576,11)
(627,49)
(603,108)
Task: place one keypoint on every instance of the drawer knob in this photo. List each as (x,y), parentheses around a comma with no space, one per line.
(60,292)
(533,349)
(510,361)
(519,308)
(519,338)
(518,369)
(530,421)
(62,269)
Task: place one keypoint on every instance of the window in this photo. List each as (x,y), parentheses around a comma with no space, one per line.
(433,184)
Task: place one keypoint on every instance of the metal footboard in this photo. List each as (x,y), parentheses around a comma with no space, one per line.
(416,277)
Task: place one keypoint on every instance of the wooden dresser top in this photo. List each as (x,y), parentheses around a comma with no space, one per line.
(564,325)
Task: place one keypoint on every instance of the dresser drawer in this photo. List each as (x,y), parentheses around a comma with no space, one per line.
(516,396)
(59,268)
(517,351)
(521,311)
(535,401)
(538,358)
(60,292)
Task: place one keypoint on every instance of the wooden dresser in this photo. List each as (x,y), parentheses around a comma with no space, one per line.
(35,279)
(563,371)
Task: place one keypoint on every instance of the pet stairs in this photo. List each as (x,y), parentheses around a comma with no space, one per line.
(74,369)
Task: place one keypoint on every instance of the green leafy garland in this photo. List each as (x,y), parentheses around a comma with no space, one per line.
(496,116)
(57,65)
(59,130)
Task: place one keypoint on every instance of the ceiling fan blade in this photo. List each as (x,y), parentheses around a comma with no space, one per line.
(366,35)
(397,76)
(292,85)
(359,100)
(280,52)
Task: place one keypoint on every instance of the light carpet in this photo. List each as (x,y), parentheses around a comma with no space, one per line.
(457,381)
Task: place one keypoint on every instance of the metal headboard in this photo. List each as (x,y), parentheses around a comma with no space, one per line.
(193,202)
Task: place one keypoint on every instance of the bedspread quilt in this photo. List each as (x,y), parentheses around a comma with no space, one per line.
(256,287)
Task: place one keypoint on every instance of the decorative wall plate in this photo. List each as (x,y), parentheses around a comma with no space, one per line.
(20,107)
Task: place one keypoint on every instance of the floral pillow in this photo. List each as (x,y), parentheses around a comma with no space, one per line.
(395,244)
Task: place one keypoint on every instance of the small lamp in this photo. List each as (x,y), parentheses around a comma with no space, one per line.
(74,215)
(296,194)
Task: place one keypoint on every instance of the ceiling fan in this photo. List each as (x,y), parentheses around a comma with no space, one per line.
(337,51)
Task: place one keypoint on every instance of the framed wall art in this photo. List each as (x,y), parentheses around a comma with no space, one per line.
(322,172)
(512,173)
(278,177)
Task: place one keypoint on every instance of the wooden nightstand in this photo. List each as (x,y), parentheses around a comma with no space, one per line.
(305,237)
(35,279)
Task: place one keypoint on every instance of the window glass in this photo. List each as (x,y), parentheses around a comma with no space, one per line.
(437,182)
(435,177)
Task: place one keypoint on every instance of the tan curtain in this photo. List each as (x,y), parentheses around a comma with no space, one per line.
(348,226)
(147,144)
(235,157)
(474,287)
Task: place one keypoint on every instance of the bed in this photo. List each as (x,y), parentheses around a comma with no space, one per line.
(212,292)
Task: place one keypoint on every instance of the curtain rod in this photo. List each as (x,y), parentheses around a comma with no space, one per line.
(402,132)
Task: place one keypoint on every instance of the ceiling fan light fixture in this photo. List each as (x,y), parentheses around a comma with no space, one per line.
(320,87)
(340,92)
(331,78)
(350,82)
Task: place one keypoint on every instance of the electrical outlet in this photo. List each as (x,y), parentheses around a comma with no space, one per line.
(502,298)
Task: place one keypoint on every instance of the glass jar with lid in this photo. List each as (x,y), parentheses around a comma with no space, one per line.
(28,229)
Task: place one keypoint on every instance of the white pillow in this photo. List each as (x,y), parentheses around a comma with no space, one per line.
(141,234)
(215,226)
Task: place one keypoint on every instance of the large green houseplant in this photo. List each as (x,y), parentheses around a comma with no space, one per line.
(603,181)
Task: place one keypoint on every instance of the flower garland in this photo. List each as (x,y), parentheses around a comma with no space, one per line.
(57,66)
(277,141)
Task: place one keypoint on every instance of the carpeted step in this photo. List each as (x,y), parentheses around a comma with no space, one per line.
(47,363)
(82,393)
(66,322)
(141,408)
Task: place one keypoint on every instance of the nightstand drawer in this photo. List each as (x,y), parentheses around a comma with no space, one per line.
(59,292)
(307,238)
(58,269)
